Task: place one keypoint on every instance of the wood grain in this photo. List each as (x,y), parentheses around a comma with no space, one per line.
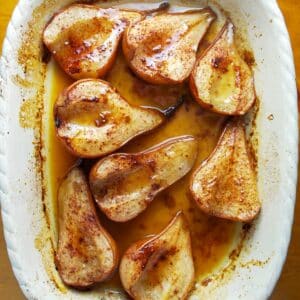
(288,285)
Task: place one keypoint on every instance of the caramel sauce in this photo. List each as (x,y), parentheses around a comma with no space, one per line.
(212,239)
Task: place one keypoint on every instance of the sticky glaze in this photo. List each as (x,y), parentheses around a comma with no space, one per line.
(212,238)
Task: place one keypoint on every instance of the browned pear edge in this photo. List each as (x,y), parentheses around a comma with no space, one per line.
(238,122)
(112,242)
(139,245)
(162,7)
(63,9)
(65,141)
(164,144)
(105,69)
(193,87)
(162,79)
(147,151)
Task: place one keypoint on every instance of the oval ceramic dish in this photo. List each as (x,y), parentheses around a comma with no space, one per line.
(259,264)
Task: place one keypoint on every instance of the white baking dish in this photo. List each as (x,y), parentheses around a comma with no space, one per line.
(264,251)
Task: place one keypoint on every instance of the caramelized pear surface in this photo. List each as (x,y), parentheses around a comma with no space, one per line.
(221,80)
(86,253)
(92,119)
(84,38)
(225,185)
(162,49)
(161,267)
(124,185)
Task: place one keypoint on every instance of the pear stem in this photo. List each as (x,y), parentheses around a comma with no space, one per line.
(169,111)
(162,7)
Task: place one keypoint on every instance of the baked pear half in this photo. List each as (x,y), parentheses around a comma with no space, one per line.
(92,119)
(161,267)
(124,185)
(162,49)
(221,80)
(84,39)
(86,253)
(225,185)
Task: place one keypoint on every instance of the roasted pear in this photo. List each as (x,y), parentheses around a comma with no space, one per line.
(221,80)
(92,119)
(225,184)
(84,38)
(161,267)
(162,49)
(124,185)
(86,253)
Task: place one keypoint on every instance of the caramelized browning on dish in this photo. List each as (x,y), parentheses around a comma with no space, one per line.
(221,80)
(84,39)
(113,180)
(225,184)
(161,267)
(86,253)
(162,49)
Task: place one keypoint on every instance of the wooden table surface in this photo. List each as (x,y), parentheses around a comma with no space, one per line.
(288,287)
